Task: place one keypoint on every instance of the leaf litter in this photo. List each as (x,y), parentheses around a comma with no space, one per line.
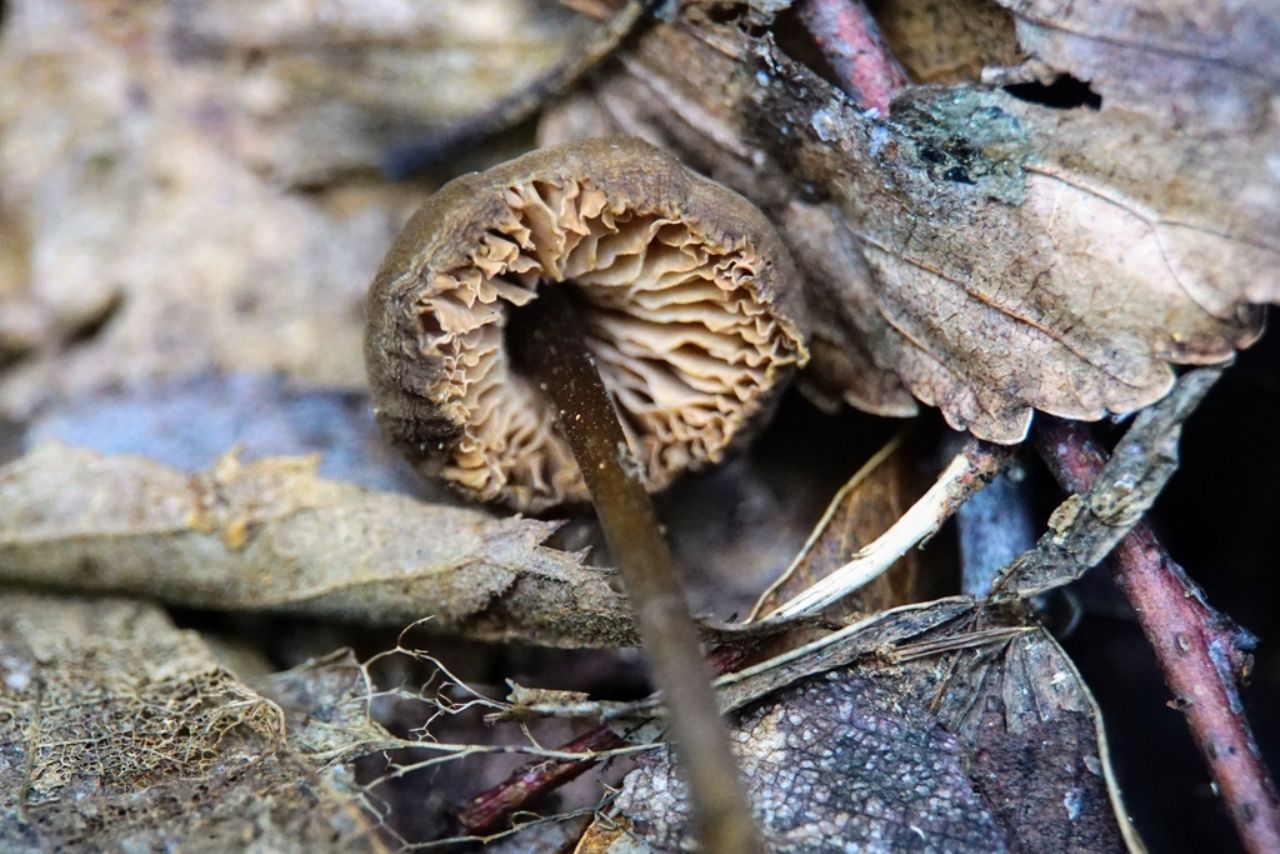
(80,520)
(969,695)
(991,749)
(956,685)
(121,731)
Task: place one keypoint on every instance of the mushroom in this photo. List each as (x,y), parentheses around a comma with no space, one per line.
(689,305)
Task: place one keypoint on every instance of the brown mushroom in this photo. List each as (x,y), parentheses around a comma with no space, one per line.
(688,298)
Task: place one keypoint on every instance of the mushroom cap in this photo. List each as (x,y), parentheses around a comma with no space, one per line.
(691,307)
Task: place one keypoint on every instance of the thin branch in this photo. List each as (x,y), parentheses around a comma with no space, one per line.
(492,808)
(1201,652)
(850,41)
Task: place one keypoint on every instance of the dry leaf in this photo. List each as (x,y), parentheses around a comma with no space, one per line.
(987,749)
(271,535)
(326,92)
(947,41)
(1190,66)
(995,256)
(146,156)
(119,731)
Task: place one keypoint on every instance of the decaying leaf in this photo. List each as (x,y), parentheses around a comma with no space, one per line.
(992,256)
(329,90)
(119,731)
(937,744)
(271,535)
(150,218)
(1192,67)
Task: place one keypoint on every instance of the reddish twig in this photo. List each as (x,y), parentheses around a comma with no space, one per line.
(850,41)
(1200,651)
(492,809)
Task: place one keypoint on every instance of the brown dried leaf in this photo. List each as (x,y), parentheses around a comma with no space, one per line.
(994,256)
(147,152)
(326,93)
(271,535)
(117,730)
(987,749)
(1189,66)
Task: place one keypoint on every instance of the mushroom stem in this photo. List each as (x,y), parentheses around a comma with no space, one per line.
(550,346)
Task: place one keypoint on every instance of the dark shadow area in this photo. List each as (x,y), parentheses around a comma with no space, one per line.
(1064,93)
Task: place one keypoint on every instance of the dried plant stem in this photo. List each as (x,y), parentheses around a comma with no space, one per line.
(1198,649)
(833,507)
(552,348)
(968,472)
(851,43)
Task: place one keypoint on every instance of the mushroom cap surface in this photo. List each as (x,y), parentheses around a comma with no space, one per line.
(691,307)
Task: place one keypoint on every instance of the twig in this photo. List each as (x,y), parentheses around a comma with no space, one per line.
(850,41)
(969,471)
(1200,651)
(492,808)
(552,347)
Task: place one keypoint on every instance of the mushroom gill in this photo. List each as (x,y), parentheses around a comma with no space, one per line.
(686,294)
